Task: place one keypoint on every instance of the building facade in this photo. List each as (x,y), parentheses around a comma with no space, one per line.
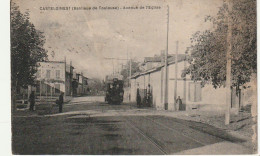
(80,84)
(193,95)
(53,78)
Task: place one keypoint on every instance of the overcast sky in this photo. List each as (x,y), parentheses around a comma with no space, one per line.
(86,37)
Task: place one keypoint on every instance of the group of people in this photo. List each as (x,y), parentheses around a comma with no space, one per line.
(32,101)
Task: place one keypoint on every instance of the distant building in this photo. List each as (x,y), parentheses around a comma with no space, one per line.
(79,84)
(54,77)
(151,62)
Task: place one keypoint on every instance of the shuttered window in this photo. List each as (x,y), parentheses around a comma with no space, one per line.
(194,91)
(57,74)
(48,73)
(38,74)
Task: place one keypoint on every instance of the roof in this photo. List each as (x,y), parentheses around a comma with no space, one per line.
(181,57)
(159,58)
(152,59)
(171,60)
(67,65)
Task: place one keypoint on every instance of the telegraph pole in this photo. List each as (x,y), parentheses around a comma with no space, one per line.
(228,66)
(127,63)
(162,62)
(176,75)
(65,88)
(166,65)
(184,84)
(130,69)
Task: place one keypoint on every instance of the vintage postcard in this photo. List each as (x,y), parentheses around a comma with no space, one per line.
(133,77)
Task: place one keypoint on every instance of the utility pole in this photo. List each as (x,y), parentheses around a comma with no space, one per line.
(162,62)
(130,66)
(228,66)
(71,77)
(130,69)
(113,67)
(130,74)
(40,78)
(184,84)
(166,65)
(127,63)
(176,76)
(65,77)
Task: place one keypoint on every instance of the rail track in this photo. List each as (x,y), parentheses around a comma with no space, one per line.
(169,128)
(154,141)
(147,137)
(140,132)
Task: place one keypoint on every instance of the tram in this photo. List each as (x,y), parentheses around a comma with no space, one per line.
(114,89)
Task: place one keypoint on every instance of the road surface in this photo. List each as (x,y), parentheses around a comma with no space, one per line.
(90,126)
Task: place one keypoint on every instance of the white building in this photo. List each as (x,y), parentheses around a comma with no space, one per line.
(53,77)
(192,94)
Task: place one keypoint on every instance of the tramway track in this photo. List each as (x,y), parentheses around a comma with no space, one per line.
(142,133)
(171,129)
(147,137)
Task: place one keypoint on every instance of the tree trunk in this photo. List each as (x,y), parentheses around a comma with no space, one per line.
(13,96)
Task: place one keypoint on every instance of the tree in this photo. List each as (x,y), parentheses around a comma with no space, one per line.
(26,50)
(134,69)
(208,50)
(96,86)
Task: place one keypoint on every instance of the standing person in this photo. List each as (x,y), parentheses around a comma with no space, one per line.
(179,103)
(60,102)
(32,100)
(138,98)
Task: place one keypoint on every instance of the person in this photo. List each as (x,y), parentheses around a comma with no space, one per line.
(32,100)
(60,102)
(179,103)
(138,98)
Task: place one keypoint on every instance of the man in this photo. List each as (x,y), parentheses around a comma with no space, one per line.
(60,102)
(32,100)
(138,98)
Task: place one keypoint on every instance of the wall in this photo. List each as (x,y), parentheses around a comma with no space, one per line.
(48,83)
(155,82)
(194,96)
(133,90)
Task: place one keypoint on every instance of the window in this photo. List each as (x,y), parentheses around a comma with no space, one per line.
(48,88)
(38,74)
(57,74)
(57,88)
(48,73)
(194,91)
(38,87)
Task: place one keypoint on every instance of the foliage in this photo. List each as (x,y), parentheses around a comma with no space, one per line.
(26,48)
(208,50)
(96,86)
(135,68)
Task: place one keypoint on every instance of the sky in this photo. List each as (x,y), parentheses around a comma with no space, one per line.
(87,37)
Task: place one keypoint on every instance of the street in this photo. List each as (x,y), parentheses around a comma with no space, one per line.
(90,126)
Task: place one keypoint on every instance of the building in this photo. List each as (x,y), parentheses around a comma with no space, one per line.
(53,78)
(79,84)
(83,85)
(150,83)
(151,62)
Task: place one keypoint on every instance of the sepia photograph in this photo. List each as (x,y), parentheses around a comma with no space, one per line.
(133,77)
